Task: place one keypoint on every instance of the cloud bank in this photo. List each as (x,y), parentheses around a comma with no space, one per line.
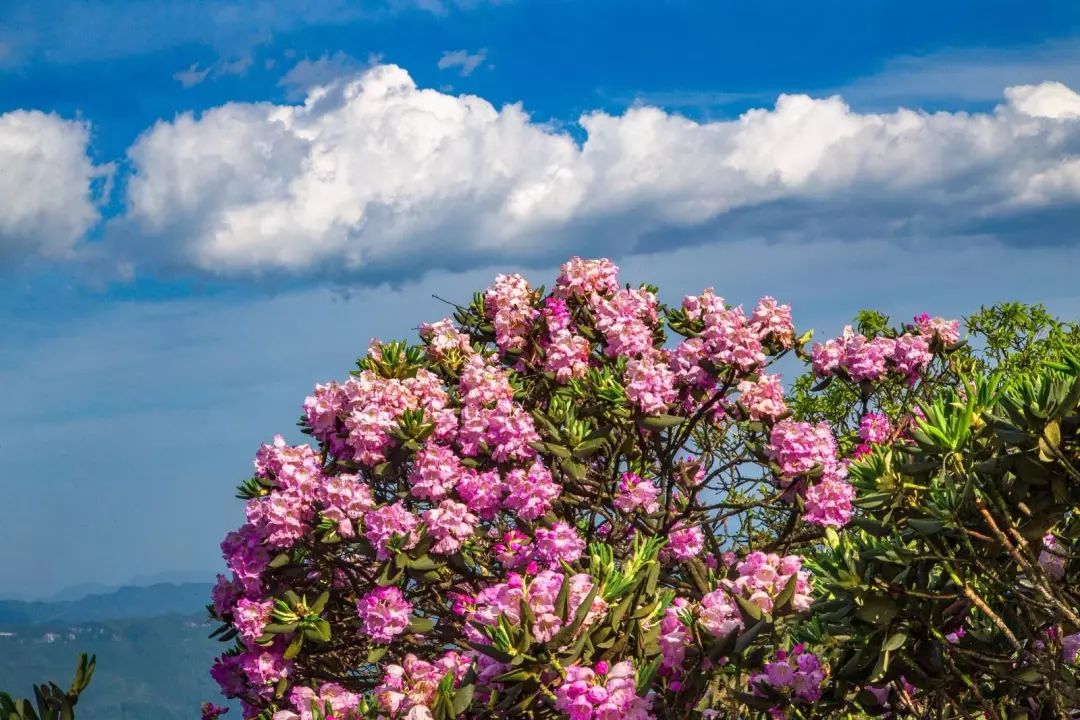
(376,175)
(372,177)
(46,196)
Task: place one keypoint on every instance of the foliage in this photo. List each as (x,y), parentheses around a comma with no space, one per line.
(50,701)
(586,504)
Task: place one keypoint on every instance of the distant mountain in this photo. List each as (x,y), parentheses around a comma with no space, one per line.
(147,668)
(122,603)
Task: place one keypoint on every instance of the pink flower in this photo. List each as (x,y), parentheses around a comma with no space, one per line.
(946,331)
(799,447)
(719,614)
(303,699)
(384,614)
(530,493)
(911,354)
(344,500)
(250,618)
(583,278)
(684,542)
(601,694)
(764,399)
(626,320)
(567,355)
(650,383)
(828,502)
(481,491)
(799,671)
(634,493)
(773,321)
(450,524)
(443,338)
(560,543)
(514,549)
(508,303)
(389,524)
(434,472)
(875,428)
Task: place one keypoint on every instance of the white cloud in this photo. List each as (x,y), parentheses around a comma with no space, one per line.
(375,176)
(46,177)
(466,61)
(194,75)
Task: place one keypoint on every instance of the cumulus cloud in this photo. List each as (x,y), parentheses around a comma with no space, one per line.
(374,175)
(462,59)
(47,201)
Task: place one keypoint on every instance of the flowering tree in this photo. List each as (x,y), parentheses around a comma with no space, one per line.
(585,504)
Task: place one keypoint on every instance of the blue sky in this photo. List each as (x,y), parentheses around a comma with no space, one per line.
(207,207)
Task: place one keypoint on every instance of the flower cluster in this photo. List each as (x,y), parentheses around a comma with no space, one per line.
(384,614)
(798,672)
(806,457)
(408,690)
(601,693)
(870,359)
(759,578)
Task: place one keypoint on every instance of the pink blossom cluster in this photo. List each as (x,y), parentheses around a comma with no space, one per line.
(760,579)
(450,524)
(798,671)
(370,407)
(602,693)
(872,359)
(566,354)
(408,690)
(685,541)
(250,618)
(384,614)
(540,592)
(391,524)
(729,337)
(491,420)
(303,700)
(559,543)
(945,331)
(803,450)
(772,321)
(626,319)
(650,383)
(636,493)
(443,338)
(583,278)
(875,428)
(509,305)
(763,398)
(799,448)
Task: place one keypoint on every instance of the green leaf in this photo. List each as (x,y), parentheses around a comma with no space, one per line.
(894,642)
(421,624)
(748,607)
(786,595)
(660,422)
(375,654)
(294,647)
(878,610)
(463,699)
